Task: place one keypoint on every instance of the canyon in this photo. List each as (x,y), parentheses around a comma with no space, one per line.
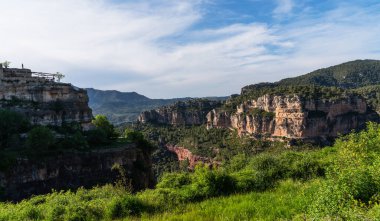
(294,117)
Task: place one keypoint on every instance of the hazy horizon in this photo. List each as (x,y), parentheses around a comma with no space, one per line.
(199,48)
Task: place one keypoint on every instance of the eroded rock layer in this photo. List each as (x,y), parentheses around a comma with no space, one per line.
(42,100)
(73,169)
(290,116)
(192,112)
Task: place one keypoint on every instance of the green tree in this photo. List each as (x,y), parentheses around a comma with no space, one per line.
(41,138)
(11,124)
(59,76)
(101,122)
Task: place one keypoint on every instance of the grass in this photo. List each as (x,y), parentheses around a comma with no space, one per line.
(289,200)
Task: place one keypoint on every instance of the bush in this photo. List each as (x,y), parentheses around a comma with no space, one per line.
(127,206)
(40,138)
(101,123)
(96,137)
(353,179)
(174,180)
(11,125)
(74,141)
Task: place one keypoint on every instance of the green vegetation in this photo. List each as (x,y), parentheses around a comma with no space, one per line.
(40,138)
(219,144)
(336,82)
(333,183)
(18,138)
(371,95)
(257,180)
(303,91)
(11,124)
(347,75)
(101,123)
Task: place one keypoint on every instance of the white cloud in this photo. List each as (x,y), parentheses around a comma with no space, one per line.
(283,7)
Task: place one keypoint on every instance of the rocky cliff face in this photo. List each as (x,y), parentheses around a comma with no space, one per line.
(191,112)
(71,170)
(290,116)
(42,100)
(185,154)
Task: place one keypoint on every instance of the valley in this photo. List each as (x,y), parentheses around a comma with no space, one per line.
(276,151)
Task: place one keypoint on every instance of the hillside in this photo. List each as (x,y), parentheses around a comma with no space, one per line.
(121,107)
(352,74)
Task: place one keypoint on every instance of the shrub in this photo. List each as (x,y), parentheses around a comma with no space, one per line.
(353,178)
(40,138)
(75,141)
(174,180)
(127,206)
(96,137)
(101,123)
(11,124)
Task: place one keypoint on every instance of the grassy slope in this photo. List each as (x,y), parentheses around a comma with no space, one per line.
(288,201)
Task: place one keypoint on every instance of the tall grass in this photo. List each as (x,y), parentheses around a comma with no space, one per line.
(287,201)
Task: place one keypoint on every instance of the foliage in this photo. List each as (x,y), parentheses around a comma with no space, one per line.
(288,201)
(100,203)
(347,75)
(371,95)
(314,92)
(353,180)
(11,125)
(40,138)
(101,123)
(74,141)
(96,137)
(334,183)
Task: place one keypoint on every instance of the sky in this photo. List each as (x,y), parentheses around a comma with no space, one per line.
(185,48)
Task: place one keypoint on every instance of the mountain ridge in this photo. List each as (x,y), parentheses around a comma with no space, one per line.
(124,107)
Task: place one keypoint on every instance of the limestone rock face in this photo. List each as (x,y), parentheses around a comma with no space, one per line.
(42,100)
(191,112)
(193,159)
(291,116)
(71,170)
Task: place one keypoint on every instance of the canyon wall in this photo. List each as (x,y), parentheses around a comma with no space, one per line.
(192,112)
(290,116)
(73,169)
(193,159)
(42,100)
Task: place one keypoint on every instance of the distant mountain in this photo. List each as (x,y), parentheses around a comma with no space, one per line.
(353,74)
(122,107)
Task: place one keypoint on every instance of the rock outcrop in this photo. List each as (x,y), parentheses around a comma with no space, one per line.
(291,116)
(72,169)
(185,154)
(192,112)
(43,100)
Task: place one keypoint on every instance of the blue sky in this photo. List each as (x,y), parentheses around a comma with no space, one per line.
(178,48)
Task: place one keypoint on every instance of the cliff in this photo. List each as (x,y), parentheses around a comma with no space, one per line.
(41,99)
(71,170)
(185,154)
(192,112)
(295,117)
